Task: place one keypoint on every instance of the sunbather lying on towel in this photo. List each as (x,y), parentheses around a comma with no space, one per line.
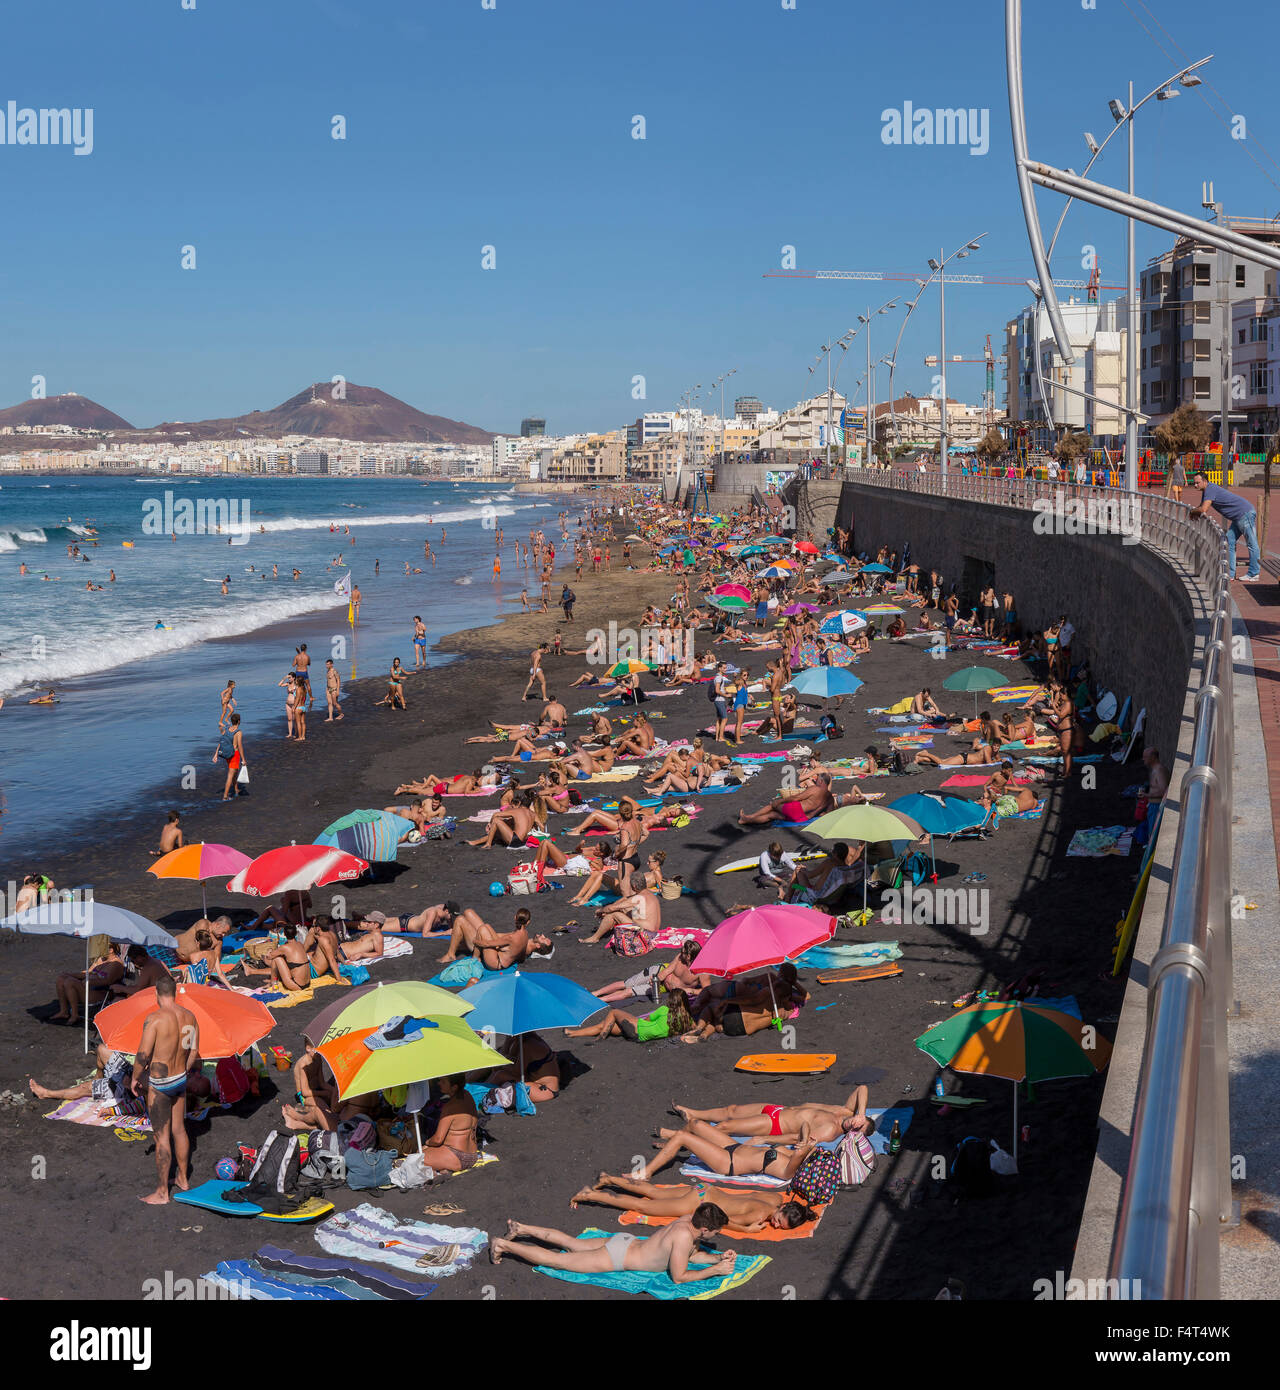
(745,1211)
(723,1154)
(669,1249)
(449,786)
(671,1020)
(431,921)
(825,1122)
(801,804)
(675,973)
(982,756)
(1001,794)
(110,1082)
(472,935)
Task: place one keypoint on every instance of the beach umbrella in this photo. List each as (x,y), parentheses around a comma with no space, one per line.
(371,835)
(369,1006)
(514,1004)
(867,824)
(978,679)
(842,624)
(81,916)
(446,1046)
(880,610)
(775,572)
(761,937)
(939,815)
(295,868)
(838,654)
(199,861)
(807,654)
(728,603)
(733,591)
(806,547)
(825,683)
(1018,1040)
(229,1023)
(876,569)
(629,667)
(793,610)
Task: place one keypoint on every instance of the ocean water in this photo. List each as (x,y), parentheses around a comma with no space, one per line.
(138,705)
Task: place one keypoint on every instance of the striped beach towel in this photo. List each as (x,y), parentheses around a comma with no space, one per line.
(418,1247)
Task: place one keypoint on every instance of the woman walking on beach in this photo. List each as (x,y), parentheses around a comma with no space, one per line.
(231,750)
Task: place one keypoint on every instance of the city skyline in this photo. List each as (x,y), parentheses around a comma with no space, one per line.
(614,258)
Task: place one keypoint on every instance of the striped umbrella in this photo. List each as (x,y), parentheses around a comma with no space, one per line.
(1018,1040)
(733,591)
(295,868)
(371,835)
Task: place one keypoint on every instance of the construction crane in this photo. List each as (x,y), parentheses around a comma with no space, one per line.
(1092,283)
(987,360)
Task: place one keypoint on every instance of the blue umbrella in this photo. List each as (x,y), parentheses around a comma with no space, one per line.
(825,682)
(843,623)
(371,835)
(939,815)
(515,1004)
(82,916)
(876,569)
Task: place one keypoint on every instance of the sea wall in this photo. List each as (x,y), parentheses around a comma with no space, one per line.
(1132,612)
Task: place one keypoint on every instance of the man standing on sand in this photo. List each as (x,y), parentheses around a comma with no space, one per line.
(355,606)
(332,691)
(170,1046)
(567,599)
(419,644)
(536,673)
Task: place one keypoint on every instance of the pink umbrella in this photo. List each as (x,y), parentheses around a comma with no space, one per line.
(733,591)
(762,936)
(295,868)
(794,609)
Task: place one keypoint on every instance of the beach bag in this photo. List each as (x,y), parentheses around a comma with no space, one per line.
(369,1168)
(256,949)
(325,1162)
(278,1164)
(358,1134)
(523,879)
(631,941)
(817,1178)
(857,1159)
(233,1081)
(440,829)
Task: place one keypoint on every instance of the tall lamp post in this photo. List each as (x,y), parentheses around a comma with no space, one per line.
(826,350)
(720,381)
(866,320)
(939,268)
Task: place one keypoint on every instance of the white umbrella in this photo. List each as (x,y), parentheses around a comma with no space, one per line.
(72,916)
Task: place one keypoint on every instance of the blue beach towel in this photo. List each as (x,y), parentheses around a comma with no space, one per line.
(659,1285)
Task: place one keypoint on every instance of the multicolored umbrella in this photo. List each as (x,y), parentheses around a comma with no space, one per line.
(880,610)
(371,835)
(842,624)
(728,603)
(630,667)
(732,590)
(229,1023)
(807,654)
(294,869)
(1018,1040)
(199,861)
(447,1046)
(840,655)
(369,1006)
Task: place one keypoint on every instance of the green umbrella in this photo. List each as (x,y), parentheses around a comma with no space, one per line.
(1016,1040)
(979,679)
(367,1006)
(866,823)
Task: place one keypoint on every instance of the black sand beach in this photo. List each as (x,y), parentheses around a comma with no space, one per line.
(70,1192)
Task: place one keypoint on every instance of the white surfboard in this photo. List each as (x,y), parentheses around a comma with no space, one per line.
(754,862)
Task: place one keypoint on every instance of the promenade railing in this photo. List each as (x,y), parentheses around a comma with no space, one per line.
(1177,1191)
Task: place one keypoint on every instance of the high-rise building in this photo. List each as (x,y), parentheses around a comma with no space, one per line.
(311,461)
(531,428)
(747,408)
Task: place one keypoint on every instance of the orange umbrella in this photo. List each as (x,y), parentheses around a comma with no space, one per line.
(200,861)
(229,1023)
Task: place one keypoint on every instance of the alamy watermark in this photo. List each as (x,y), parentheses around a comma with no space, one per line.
(47,125)
(941,126)
(950,907)
(662,646)
(197,516)
(1094,515)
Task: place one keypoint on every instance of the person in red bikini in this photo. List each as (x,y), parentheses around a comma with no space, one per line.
(802,804)
(825,1122)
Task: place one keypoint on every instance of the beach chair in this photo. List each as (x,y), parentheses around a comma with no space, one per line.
(982,831)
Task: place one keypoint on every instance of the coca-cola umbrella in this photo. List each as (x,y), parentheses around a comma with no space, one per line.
(294,869)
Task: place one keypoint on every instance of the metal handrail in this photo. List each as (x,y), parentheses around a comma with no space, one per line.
(1177,1192)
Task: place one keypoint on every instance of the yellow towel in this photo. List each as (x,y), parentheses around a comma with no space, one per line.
(902,707)
(617,774)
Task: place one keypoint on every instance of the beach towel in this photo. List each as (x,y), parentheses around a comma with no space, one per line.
(965,779)
(805,1232)
(617,774)
(659,1285)
(1102,840)
(466,970)
(675,937)
(848,955)
(1002,694)
(419,1247)
(279,1280)
(380,1282)
(86,1112)
(1034,813)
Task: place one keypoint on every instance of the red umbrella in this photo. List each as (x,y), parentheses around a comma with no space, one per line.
(807,547)
(295,868)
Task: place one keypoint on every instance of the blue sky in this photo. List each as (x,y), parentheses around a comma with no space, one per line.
(512,127)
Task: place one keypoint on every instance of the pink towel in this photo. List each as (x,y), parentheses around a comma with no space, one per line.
(966,780)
